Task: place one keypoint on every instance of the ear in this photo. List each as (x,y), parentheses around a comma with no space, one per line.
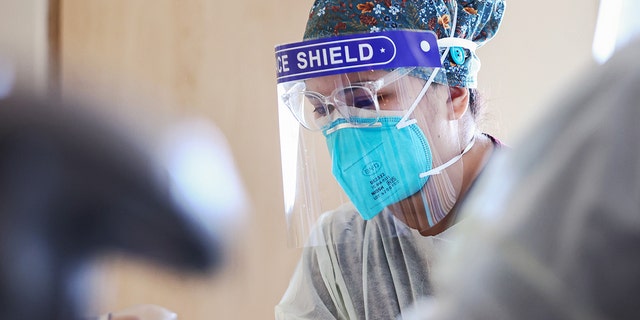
(459,100)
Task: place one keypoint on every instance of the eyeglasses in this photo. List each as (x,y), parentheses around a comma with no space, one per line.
(357,104)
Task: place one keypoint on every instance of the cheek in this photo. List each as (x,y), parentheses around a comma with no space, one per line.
(401,94)
(394,101)
(439,130)
(427,115)
(389,102)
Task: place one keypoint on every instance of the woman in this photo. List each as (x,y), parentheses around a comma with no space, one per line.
(390,85)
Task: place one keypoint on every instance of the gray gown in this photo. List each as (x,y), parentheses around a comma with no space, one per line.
(376,276)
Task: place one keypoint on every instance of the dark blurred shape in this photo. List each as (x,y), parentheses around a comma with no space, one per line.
(74,186)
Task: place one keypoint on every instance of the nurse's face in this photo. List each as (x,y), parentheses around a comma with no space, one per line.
(433,112)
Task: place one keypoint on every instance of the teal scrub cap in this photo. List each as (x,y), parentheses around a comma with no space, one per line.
(475,21)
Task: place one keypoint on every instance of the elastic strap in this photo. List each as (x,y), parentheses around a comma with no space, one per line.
(440,168)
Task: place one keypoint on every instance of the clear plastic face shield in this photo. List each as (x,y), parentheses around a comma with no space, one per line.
(367,134)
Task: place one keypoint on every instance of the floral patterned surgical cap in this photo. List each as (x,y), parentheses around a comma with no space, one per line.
(477,21)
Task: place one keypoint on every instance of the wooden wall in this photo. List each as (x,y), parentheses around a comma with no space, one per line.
(215,59)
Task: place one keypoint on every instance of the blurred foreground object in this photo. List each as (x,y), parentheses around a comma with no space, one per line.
(562,239)
(204,177)
(74,186)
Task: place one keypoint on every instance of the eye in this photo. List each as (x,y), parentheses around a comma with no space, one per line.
(320,111)
(315,105)
(365,102)
(358,97)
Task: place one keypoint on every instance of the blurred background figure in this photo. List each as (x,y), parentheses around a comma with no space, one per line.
(76,185)
(561,241)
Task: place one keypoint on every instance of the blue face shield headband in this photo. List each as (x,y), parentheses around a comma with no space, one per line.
(402,51)
(355,53)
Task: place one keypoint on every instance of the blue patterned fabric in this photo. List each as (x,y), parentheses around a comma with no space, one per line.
(477,21)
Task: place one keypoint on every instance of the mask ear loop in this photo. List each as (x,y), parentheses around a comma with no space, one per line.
(440,168)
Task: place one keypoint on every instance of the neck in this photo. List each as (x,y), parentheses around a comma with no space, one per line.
(475,160)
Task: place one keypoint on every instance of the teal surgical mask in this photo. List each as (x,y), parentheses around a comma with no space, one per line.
(380,164)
